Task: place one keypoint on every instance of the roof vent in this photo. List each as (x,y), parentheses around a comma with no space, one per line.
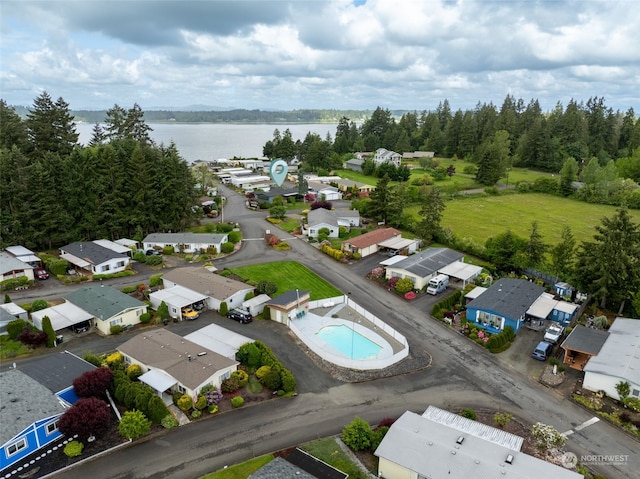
(189,358)
(509,459)
(460,440)
(203,353)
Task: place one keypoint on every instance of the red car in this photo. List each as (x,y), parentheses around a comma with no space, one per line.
(41,273)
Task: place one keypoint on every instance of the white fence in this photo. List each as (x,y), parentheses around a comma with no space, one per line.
(357,364)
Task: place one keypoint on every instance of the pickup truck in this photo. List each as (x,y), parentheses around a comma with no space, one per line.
(553,333)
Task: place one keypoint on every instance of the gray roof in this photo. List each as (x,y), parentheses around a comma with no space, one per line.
(91,252)
(427,262)
(161,349)
(620,353)
(288,297)
(23,400)
(585,340)
(205,282)
(57,371)
(279,468)
(429,445)
(103,302)
(322,216)
(10,263)
(508,297)
(273,192)
(185,238)
(314,466)
(354,162)
(346,213)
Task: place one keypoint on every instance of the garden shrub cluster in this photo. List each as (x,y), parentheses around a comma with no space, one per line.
(136,395)
(446,304)
(359,436)
(334,253)
(271,373)
(501,341)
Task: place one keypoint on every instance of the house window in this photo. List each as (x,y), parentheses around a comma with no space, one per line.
(106,267)
(224,376)
(181,389)
(16,447)
(120,264)
(489,319)
(51,427)
(635,392)
(115,322)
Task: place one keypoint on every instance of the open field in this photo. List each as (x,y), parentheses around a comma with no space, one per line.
(479,218)
(288,275)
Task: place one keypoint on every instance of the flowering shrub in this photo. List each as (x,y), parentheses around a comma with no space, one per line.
(547,436)
(393,281)
(213,396)
(377,273)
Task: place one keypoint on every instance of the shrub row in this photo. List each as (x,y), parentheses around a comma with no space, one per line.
(258,357)
(334,253)
(136,395)
(446,304)
(501,341)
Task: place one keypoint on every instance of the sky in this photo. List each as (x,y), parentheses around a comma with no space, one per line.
(308,54)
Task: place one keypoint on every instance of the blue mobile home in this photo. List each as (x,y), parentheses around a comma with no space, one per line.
(33,398)
(505,303)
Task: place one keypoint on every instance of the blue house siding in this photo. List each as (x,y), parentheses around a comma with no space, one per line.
(34,437)
(562,317)
(494,322)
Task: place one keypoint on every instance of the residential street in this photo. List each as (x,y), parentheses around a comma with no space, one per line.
(461,375)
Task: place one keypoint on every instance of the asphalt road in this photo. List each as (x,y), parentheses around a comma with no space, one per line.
(461,375)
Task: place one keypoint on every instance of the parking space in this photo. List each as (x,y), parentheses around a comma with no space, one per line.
(518,356)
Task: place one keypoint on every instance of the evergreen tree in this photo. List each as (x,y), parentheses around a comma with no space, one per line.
(431,210)
(13,131)
(568,174)
(494,158)
(535,248)
(381,206)
(48,330)
(562,255)
(608,267)
(97,135)
(50,127)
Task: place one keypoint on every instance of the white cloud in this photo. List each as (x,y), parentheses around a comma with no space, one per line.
(253,54)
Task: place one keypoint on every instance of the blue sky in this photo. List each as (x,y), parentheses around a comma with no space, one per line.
(344,54)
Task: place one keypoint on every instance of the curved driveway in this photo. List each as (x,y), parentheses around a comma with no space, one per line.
(462,375)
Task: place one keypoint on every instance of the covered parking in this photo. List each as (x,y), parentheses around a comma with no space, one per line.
(159,382)
(62,316)
(176,298)
(461,271)
(399,244)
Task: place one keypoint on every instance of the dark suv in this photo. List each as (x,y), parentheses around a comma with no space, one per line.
(240,316)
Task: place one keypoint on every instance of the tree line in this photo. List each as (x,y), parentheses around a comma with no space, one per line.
(54,191)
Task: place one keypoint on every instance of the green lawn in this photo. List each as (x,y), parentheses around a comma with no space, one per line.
(11,348)
(241,471)
(327,450)
(479,218)
(288,275)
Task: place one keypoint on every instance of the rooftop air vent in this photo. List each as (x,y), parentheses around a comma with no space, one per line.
(509,459)
(203,353)
(460,440)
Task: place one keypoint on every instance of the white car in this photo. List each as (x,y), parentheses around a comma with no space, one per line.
(553,333)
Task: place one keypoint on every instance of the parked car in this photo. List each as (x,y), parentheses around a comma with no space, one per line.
(239,315)
(190,314)
(82,327)
(438,284)
(543,351)
(41,273)
(553,333)
(152,252)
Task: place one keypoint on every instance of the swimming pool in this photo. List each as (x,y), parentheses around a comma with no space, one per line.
(349,342)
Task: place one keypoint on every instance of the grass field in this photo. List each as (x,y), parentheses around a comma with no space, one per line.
(241,471)
(479,218)
(289,275)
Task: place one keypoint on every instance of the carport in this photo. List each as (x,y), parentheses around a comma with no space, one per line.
(219,340)
(400,244)
(65,315)
(539,311)
(461,271)
(176,298)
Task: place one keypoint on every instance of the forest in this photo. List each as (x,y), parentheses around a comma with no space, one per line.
(54,191)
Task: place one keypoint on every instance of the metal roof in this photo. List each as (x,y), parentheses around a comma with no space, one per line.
(178,296)
(427,262)
(439,445)
(113,246)
(460,270)
(19,250)
(542,307)
(62,316)
(620,353)
(185,238)
(9,263)
(218,339)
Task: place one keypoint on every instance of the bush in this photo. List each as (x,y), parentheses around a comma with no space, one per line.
(377,436)
(154,260)
(404,285)
(235,237)
(145,318)
(88,416)
(92,358)
(32,337)
(241,376)
(116,329)
(73,449)
(266,287)
(14,328)
(469,414)
(547,436)
(227,247)
(632,403)
(201,403)
(93,383)
(134,371)
(262,371)
(133,425)
(185,403)
(288,381)
(229,385)
(197,413)
(357,435)
(212,408)
(129,289)
(272,380)
(237,401)
(224,308)
(502,419)
(155,280)
(169,422)
(114,360)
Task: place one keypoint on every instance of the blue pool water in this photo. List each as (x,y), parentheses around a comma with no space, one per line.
(349,342)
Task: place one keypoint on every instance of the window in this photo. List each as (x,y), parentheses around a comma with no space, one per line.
(180,389)
(115,322)
(224,376)
(635,392)
(51,427)
(139,312)
(120,264)
(106,267)
(16,447)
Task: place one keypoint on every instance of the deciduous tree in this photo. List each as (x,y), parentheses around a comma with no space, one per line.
(87,417)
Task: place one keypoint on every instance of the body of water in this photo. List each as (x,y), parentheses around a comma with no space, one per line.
(212,141)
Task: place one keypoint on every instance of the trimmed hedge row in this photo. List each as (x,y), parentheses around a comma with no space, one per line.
(501,341)
(334,253)
(446,304)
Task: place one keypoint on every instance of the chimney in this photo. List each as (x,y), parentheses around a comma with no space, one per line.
(189,358)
